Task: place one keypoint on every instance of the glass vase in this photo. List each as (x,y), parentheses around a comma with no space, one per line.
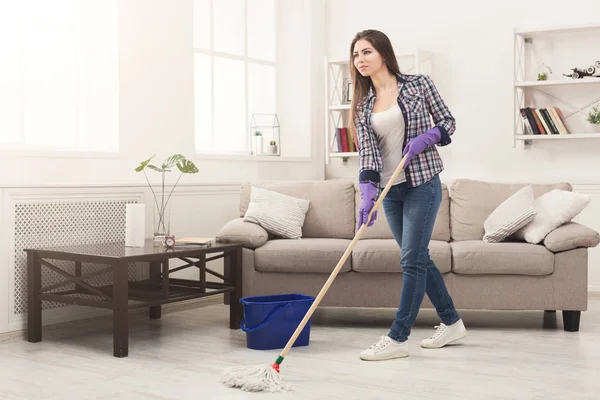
(162,221)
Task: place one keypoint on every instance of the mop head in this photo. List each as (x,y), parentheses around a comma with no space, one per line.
(255,378)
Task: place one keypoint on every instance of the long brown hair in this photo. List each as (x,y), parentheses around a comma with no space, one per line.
(361,84)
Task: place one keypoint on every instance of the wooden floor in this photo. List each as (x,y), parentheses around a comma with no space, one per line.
(507,355)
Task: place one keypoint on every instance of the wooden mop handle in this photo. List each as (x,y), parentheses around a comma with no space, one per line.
(342,261)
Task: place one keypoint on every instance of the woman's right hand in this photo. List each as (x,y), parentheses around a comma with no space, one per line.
(368,194)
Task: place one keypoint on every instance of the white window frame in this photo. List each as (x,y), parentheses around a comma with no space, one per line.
(246,60)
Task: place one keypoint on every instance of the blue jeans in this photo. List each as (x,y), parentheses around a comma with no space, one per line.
(411,214)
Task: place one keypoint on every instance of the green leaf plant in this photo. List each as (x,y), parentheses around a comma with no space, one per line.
(184,166)
(594,116)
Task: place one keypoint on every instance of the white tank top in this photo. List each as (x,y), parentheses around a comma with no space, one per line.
(388,126)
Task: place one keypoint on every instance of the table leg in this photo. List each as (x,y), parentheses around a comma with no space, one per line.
(227,275)
(120,310)
(78,288)
(202,273)
(165,279)
(234,263)
(34,304)
(155,312)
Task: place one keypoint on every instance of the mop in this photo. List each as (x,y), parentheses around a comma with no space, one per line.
(266,378)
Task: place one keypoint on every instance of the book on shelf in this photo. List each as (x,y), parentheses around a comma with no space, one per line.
(344,141)
(543,121)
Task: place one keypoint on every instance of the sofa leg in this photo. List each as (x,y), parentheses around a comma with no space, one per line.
(571,320)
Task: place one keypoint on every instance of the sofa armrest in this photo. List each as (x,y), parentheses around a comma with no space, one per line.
(238,231)
(571,235)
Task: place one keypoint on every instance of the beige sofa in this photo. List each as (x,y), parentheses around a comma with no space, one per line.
(498,276)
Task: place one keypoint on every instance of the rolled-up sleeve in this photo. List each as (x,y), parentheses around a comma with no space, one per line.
(368,156)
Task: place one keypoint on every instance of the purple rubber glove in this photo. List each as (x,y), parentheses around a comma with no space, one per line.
(368,193)
(419,143)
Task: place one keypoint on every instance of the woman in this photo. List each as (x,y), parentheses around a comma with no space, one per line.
(391,113)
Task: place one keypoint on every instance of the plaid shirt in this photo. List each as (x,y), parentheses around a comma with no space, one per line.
(417,98)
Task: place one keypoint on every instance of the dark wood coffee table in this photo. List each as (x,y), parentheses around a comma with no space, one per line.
(124,295)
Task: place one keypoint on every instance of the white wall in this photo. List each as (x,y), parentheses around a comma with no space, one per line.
(473,68)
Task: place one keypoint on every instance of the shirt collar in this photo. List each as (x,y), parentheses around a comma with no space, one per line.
(399,77)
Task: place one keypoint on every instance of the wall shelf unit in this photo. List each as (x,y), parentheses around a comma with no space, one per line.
(555,51)
(338,96)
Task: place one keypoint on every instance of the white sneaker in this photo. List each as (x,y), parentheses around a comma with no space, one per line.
(385,349)
(445,334)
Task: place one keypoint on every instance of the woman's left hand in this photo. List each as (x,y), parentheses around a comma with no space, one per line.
(417,144)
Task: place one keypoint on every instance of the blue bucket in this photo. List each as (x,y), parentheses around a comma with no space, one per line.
(270,321)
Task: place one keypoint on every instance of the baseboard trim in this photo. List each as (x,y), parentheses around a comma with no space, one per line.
(166,309)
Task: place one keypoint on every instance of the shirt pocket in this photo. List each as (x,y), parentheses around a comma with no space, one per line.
(415,103)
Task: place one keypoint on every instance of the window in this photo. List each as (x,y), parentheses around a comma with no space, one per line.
(59,75)
(234,71)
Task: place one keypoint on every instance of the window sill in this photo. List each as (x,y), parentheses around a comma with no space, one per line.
(240,157)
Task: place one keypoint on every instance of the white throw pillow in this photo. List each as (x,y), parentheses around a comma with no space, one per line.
(555,208)
(511,215)
(277,213)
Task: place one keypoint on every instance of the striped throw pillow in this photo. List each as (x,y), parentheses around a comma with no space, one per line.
(277,213)
(510,216)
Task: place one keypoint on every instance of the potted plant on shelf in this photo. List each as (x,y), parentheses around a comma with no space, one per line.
(594,117)
(273,147)
(542,76)
(161,227)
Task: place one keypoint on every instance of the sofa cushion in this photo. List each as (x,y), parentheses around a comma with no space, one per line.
(302,255)
(381,229)
(279,214)
(248,234)
(571,236)
(510,216)
(506,258)
(331,210)
(383,255)
(554,209)
(471,202)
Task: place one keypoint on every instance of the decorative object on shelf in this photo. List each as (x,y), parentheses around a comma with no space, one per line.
(267,125)
(347,94)
(162,217)
(594,117)
(579,73)
(257,143)
(273,147)
(542,76)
